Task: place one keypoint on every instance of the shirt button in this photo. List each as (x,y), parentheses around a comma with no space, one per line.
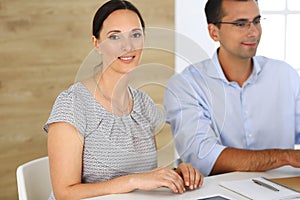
(250,135)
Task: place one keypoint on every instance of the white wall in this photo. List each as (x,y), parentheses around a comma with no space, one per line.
(192,42)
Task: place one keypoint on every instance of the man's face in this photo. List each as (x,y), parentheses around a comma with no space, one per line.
(241,39)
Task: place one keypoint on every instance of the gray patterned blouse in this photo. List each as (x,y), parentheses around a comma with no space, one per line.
(113,145)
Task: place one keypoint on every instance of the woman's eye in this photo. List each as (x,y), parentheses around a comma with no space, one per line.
(136,35)
(113,37)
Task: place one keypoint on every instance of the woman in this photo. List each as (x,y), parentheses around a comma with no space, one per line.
(101,131)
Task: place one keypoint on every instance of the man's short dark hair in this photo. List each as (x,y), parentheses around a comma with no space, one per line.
(214,12)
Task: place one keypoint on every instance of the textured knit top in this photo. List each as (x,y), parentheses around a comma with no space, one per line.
(113,145)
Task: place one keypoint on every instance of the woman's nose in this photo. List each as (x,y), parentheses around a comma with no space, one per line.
(127,44)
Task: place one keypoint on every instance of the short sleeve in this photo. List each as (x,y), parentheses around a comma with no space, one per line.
(158,117)
(68,108)
(154,113)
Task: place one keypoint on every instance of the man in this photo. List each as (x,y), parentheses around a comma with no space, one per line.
(236,111)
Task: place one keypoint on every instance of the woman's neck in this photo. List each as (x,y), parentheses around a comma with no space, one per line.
(112,92)
(115,87)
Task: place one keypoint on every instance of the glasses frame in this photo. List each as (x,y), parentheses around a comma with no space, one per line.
(242,24)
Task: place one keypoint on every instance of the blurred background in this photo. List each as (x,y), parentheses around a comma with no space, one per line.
(42,45)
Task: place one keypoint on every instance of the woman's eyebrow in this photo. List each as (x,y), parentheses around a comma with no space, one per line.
(113,31)
(136,29)
(119,31)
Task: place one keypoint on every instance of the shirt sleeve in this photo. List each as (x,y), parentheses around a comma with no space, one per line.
(293,81)
(67,109)
(154,113)
(189,117)
(296,83)
(297,136)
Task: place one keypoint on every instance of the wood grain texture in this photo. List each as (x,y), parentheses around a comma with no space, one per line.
(42,44)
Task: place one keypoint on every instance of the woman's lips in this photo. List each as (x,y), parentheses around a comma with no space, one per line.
(126,59)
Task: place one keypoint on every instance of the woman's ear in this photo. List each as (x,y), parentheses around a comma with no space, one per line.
(95,41)
(213,31)
(96,44)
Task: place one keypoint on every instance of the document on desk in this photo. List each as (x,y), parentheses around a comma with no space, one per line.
(289,182)
(260,188)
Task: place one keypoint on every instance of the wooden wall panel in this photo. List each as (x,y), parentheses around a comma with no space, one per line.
(42,44)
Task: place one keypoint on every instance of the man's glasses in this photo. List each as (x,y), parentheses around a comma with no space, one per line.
(243,25)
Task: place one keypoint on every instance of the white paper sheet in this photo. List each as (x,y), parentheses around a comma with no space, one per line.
(251,190)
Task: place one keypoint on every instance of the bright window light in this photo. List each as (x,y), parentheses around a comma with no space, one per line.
(281,33)
(293,5)
(272,40)
(273,5)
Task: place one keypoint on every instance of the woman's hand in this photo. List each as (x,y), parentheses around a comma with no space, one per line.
(160,177)
(193,179)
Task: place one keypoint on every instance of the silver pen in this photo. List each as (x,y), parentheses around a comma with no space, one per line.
(265,185)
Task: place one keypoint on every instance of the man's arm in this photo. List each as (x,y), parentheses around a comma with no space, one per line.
(189,117)
(254,160)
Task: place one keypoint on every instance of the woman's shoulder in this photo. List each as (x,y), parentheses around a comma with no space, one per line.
(141,97)
(73,106)
(75,100)
(76,91)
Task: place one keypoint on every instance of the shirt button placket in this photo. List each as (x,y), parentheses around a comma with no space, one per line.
(246,119)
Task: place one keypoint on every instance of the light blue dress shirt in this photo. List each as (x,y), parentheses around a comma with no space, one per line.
(207,113)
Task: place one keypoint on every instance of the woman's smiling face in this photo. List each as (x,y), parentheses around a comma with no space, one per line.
(121,41)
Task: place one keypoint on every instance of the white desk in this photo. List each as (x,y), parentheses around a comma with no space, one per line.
(210,186)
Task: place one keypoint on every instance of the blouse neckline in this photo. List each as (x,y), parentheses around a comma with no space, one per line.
(106,111)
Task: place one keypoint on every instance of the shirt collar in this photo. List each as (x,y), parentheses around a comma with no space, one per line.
(216,71)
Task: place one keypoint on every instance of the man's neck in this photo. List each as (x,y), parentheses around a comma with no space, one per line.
(236,69)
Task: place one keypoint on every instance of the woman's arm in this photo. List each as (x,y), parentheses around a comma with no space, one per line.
(65,146)
(191,176)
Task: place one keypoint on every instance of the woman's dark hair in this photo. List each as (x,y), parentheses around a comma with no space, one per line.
(214,12)
(109,7)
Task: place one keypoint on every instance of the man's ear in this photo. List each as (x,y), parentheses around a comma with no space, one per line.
(213,31)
